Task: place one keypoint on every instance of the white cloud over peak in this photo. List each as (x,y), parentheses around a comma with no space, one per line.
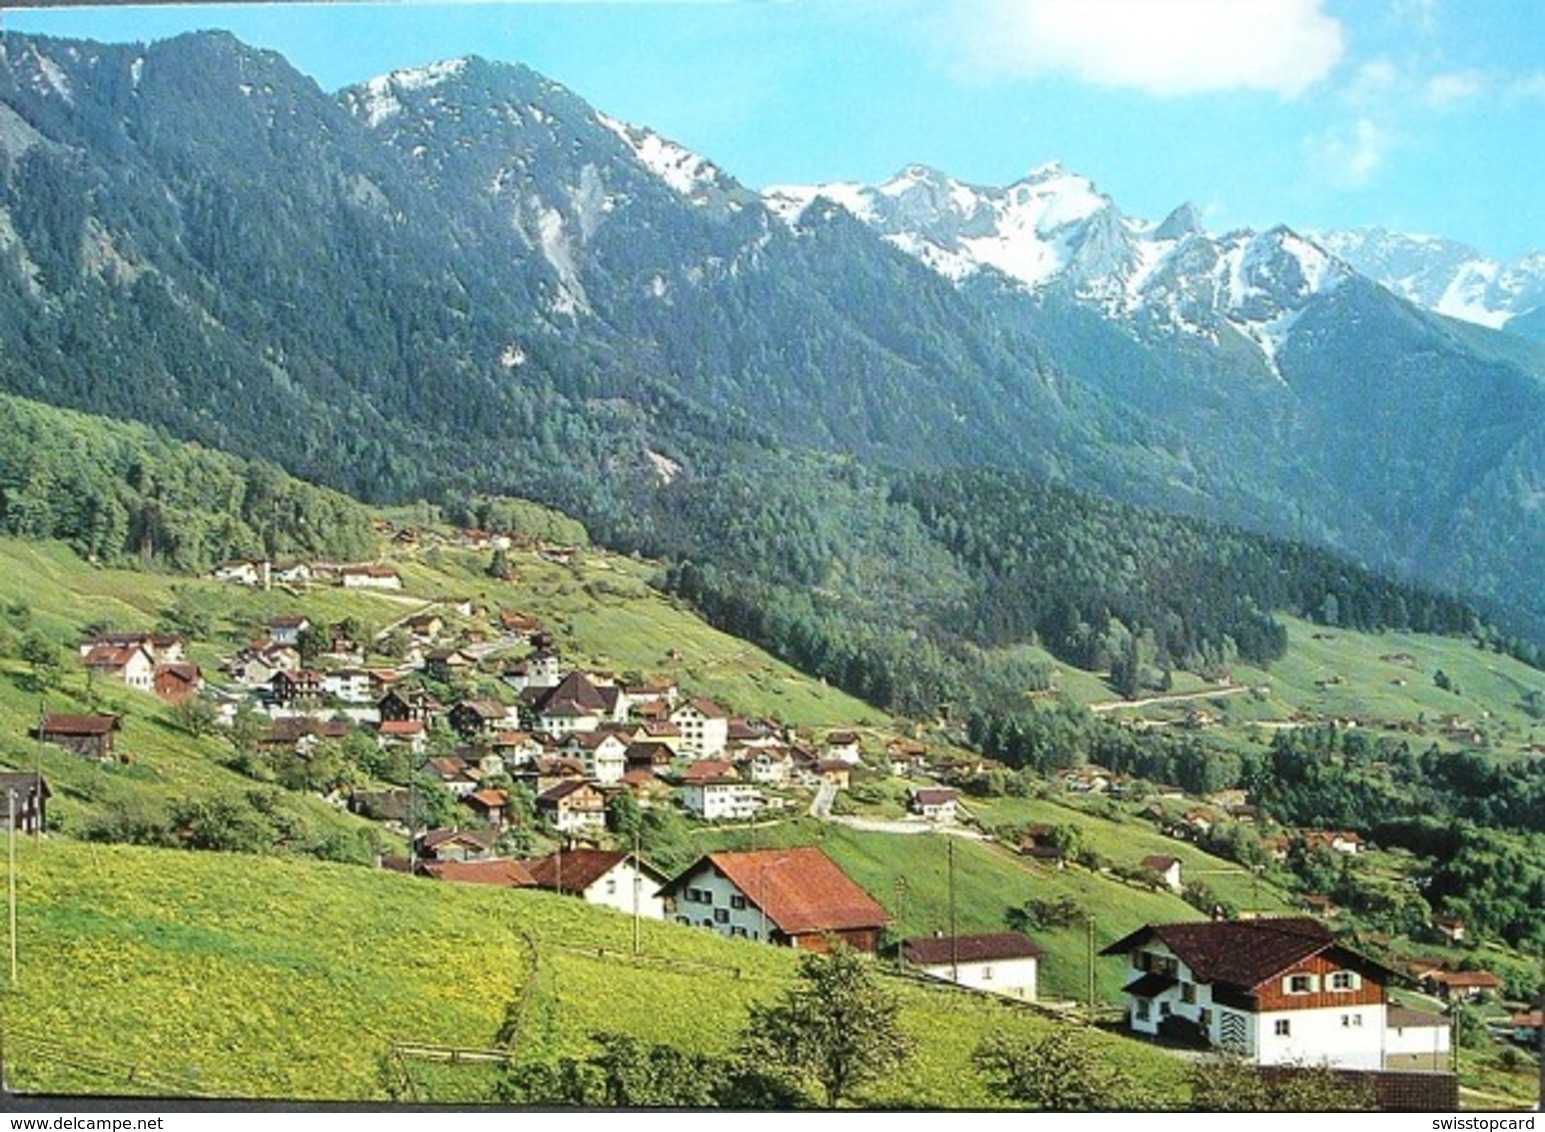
(1164,47)
(1349,158)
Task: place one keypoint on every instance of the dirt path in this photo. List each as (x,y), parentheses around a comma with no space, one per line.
(1177,698)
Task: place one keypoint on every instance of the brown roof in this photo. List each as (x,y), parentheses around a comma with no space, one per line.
(401,726)
(438,837)
(1466,979)
(708,772)
(928,951)
(79,724)
(801,890)
(489,799)
(933,796)
(1159,863)
(575,870)
(1241,953)
(1405,1016)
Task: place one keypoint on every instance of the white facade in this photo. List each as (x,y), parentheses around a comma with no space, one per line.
(1416,1046)
(703,736)
(1348,1037)
(1014,978)
(722,801)
(715,902)
(615,889)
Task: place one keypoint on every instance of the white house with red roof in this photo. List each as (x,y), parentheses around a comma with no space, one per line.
(713,791)
(791,897)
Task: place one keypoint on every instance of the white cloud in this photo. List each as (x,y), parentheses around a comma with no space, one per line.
(1350,158)
(1454,86)
(1528,86)
(1164,47)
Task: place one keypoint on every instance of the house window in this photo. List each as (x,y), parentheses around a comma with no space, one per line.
(1164,1010)
(1352,1020)
(1283,1028)
(737,901)
(1205,1019)
(1187,992)
(1343,981)
(1142,1009)
(1300,984)
(684,920)
(986,974)
(721,915)
(738,932)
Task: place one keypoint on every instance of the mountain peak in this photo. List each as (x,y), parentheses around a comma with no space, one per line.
(1186,220)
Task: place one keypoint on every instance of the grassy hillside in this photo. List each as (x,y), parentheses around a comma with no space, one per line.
(241,976)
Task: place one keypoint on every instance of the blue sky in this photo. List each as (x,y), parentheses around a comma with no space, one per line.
(1418,115)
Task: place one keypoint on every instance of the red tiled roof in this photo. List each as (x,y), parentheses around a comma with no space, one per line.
(708,771)
(401,727)
(1484,979)
(802,890)
(927,951)
(489,799)
(505,874)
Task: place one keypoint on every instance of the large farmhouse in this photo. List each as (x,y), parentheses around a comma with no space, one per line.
(792,897)
(1275,991)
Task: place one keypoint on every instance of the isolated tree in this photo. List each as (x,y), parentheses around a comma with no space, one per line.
(43,655)
(837,1027)
(1064,1072)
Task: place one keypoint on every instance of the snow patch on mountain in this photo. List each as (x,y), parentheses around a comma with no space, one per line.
(378,101)
(1054,229)
(1444,276)
(687,173)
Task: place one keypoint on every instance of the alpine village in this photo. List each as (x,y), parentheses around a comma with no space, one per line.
(495,612)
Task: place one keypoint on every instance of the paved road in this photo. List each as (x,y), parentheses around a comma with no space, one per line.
(1177,698)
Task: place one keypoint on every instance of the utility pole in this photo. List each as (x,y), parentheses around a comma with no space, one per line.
(1090,921)
(10,806)
(954,936)
(901,915)
(638,879)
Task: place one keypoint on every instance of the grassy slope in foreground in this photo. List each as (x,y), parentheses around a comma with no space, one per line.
(257,977)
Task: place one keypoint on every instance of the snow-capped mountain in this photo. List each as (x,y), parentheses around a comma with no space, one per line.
(1053,230)
(1442,275)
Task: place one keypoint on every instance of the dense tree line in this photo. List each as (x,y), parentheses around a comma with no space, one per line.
(119,493)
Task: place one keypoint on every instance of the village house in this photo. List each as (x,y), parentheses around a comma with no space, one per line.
(393,806)
(1164,869)
(1526,1026)
(907,757)
(257,664)
(286,629)
(1001,962)
(766,766)
(301,733)
(370,577)
(1039,843)
(406,703)
(130,665)
(173,683)
(455,844)
(705,728)
(575,703)
(837,772)
(244,572)
(605,878)
(24,798)
(1336,840)
(712,791)
(472,718)
(1416,1040)
(1461,986)
(455,774)
(162,647)
(541,670)
(488,805)
(603,753)
(406,733)
(933,803)
(89,736)
(790,897)
(1274,991)
(303,686)
(573,806)
(448,665)
(425,628)
(351,685)
(1451,928)
(515,748)
(843,746)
